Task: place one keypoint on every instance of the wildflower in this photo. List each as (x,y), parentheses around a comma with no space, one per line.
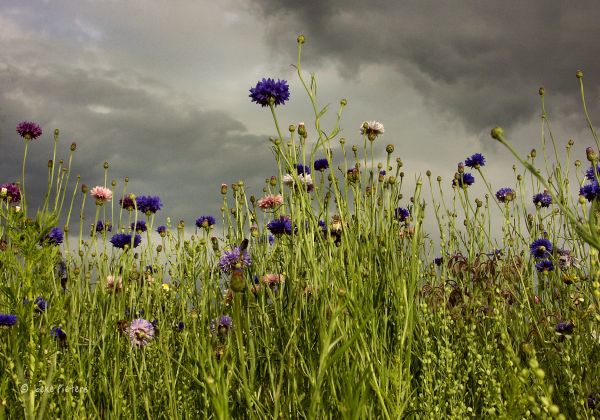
(114,283)
(541,248)
(101,226)
(463,180)
(542,199)
(11,191)
(122,240)
(139,226)
(372,129)
(280,226)
(40,304)
(592,173)
(305,179)
(270,92)
(438,261)
(302,169)
(128,202)
(58,334)
(544,266)
(162,231)
(205,222)
(180,326)
(269,202)
(236,258)
(221,325)
(55,237)
(353,174)
(140,332)
(148,204)
(402,214)
(322,225)
(7,320)
(475,161)
(564,328)
(321,165)
(590,191)
(166,287)
(101,194)
(29,130)
(505,195)
(566,259)
(273,279)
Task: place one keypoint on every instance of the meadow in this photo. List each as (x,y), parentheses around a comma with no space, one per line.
(320,297)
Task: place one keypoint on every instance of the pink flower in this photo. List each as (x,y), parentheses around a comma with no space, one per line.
(272,279)
(270,201)
(114,283)
(101,194)
(140,332)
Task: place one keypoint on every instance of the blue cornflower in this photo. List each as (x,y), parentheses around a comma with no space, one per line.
(438,261)
(544,266)
(542,199)
(382,173)
(205,222)
(402,214)
(269,90)
(40,304)
(323,225)
(321,164)
(302,169)
(230,259)
(180,326)
(564,328)
(221,325)
(590,191)
(475,161)
(541,248)
(280,226)
(162,230)
(139,226)
(55,237)
(58,333)
(463,180)
(148,204)
(101,226)
(7,320)
(271,239)
(120,240)
(590,174)
(504,195)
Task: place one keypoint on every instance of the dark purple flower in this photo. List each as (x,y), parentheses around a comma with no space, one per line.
(590,174)
(590,191)
(180,326)
(121,240)
(504,195)
(162,230)
(7,320)
(438,261)
(280,226)
(382,173)
(269,90)
(564,328)
(58,333)
(321,164)
(205,222)
(128,202)
(139,227)
(542,199)
(101,227)
(221,325)
(29,130)
(40,304)
(302,169)
(475,161)
(231,259)
(402,214)
(55,237)
(544,266)
(148,204)
(13,193)
(541,248)
(463,180)
(322,225)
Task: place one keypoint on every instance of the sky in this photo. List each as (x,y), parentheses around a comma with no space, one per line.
(159,89)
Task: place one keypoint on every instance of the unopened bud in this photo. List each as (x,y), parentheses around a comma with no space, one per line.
(292,128)
(389,148)
(591,154)
(533,153)
(579,74)
(301,39)
(461,168)
(497,133)
(541,91)
(273,181)
(302,129)
(344,102)
(50,163)
(73,146)
(84,188)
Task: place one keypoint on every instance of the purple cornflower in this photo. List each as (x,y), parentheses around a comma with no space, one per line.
(321,164)
(564,328)
(302,169)
(180,326)
(280,226)
(101,226)
(128,202)
(590,191)
(504,195)
(590,174)
(139,227)
(475,161)
(438,261)
(40,304)
(121,240)
(162,231)
(55,237)
(542,199)
(231,259)
(221,325)
(541,248)
(140,332)
(205,222)
(13,193)
(269,91)
(544,266)
(463,180)
(7,320)
(402,214)
(58,334)
(148,204)
(29,130)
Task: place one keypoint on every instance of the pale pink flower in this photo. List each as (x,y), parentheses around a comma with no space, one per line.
(114,283)
(101,194)
(270,201)
(271,279)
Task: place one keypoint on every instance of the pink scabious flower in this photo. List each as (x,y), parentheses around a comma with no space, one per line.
(114,283)
(140,332)
(101,194)
(29,130)
(270,202)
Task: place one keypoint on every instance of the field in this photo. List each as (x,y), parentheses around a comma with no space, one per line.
(324,296)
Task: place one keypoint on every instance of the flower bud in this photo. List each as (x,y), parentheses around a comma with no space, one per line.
(237,282)
(591,154)
(497,133)
(533,153)
(73,146)
(461,168)
(541,91)
(302,129)
(428,173)
(344,102)
(254,231)
(354,148)
(301,39)
(577,163)
(389,148)
(579,74)
(342,141)
(50,163)
(273,181)
(159,248)
(292,128)
(84,188)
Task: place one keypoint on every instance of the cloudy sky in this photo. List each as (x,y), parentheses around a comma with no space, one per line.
(159,89)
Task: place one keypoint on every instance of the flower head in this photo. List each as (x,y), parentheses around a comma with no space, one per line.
(221,325)
(140,332)
(13,193)
(505,195)
(139,226)
(372,129)
(58,334)
(162,231)
(564,328)
(305,179)
(541,248)
(475,161)
(270,92)
(438,261)
(280,226)
(55,237)
(590,191)
(302,169)
(122,240)
(205,222)
(544,266)
(7,320)
(128,202)
(592,173)
(402,214)
(321,164)
(566,259)
(114,283)
(272,279)
(40,304)
(102,226)
(234,258)
(148,204)
(542,199)
(463,180)
(29,130)
(101,194)
(270,202)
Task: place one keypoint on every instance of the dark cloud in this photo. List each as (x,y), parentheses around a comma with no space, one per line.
(480,61)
